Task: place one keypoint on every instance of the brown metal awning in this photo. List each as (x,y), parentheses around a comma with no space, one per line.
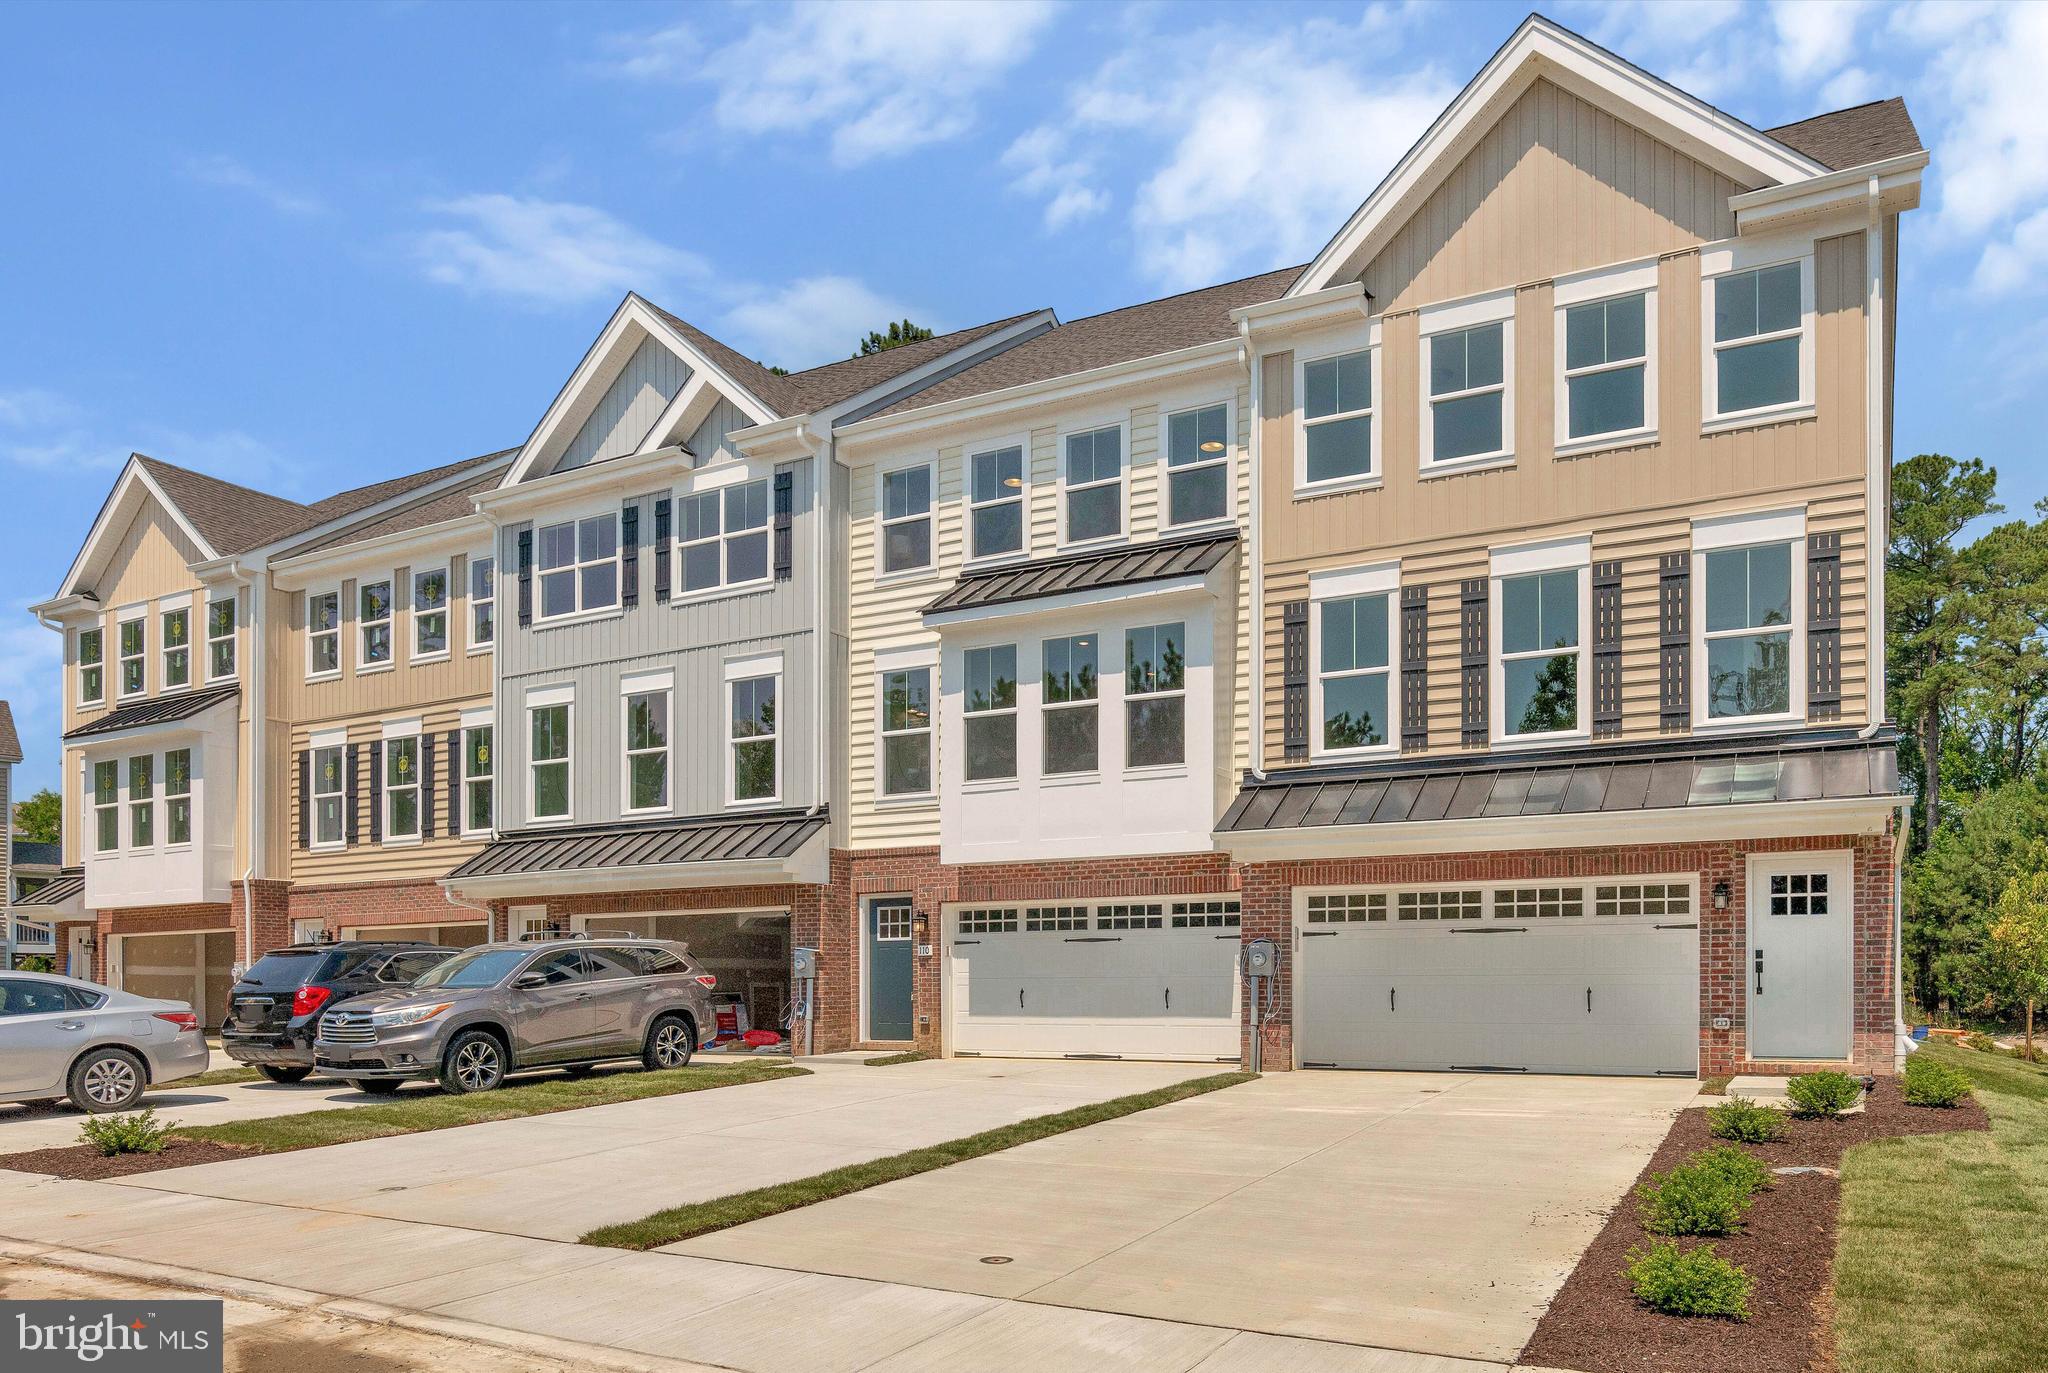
(644,851)
(157,710)
(1129,565)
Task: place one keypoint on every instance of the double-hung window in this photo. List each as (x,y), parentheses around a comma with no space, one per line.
(402,788)
(751,735)
(133,633)
(1198,465)
(1337,434)
(548,759)
(430,613)
(92,680)
(907,519)
(373,624)
(647,748)
(1467,376)
(478,770)
(579,565)
(328,790)
(1155,695)
(483,601)
(907,731)
(106,806)
(1070,710)
(178,796)
(323,633)
(1608,384)
(1748,631)
(723,537)
(989,713)
(1539,608)
(1094,477)
(995,502)
(142,801)
(1354,637)
(175,627)
(1759,355)
(220,638)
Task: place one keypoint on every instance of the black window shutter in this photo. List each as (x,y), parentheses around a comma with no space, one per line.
(629,554)
(1824,627)
(785,504)
(1474,666)
(305,798)
(355,792)
(427,788)
(456,817)
(377,792)
(526,576)
(1294,679)
(1606,649)
(661,559)
(1674,643)
(1414,669)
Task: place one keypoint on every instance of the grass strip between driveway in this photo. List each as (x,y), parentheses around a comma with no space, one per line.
(722,1213)
(212,1077)
(1940,1247)
(422,1109)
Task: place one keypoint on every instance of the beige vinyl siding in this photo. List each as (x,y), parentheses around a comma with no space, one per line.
(366,861)
(152,560)
(403,688)
(888,613)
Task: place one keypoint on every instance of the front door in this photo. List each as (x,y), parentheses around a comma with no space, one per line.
(78,952)
(1799,977)
(888,963)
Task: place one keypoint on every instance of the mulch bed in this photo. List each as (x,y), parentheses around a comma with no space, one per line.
(84,1163)
(1788,1245)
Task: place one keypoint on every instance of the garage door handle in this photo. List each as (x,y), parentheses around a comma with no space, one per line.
(1489,929)
(1759,972)
(1020,998)
(1169,998)
(1318,934)
(1589,1001)
(1097,939)
(1390,998)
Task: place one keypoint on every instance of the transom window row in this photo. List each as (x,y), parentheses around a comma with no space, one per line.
(1537,901)
(1220,912)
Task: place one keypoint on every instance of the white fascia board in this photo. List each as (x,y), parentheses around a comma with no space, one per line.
(1862,815)
(1067,603)
(1896,179)
(369,514)
(120,506)
(781,441)
(1542,49)
(1337,304)
(437,542)
(635,472)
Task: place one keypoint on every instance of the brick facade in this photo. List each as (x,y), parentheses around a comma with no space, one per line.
(346,905)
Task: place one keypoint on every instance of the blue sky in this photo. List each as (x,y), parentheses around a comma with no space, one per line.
(309,246)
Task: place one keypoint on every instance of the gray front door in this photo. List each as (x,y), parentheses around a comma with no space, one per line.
(1799,974)
(889,1014)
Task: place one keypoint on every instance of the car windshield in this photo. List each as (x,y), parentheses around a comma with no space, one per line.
(483,968)
(285,968)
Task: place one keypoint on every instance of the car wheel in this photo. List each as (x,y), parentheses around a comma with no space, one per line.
(277,1074)
(107,1080)
(475,1062)
(670,1042)
(376,1086)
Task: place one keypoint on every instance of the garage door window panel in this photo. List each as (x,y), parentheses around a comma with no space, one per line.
(1438,905)
(1336,908)
(1204,915)
(990,709)
(1130,917)
(987,920)
(1055,919)
(1539,903)
(1629,899)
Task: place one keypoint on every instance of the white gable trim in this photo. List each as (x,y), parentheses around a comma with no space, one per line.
(1542,49)
(122,506)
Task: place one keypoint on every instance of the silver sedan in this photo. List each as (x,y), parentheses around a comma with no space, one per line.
(60,1037)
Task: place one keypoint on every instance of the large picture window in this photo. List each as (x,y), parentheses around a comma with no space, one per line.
(907,732)
(1354,670)
(548,761)
(1093,474)
(1759,332)
(1155,695)
(1071,712)
(989,709)
(1198,465)
(723,537)
(1337,418)
(373,624)
(752,736)
(995,502)
(175,627)
(907,519)
(1539,652)
(579,566)
(647,750)
(1749,631)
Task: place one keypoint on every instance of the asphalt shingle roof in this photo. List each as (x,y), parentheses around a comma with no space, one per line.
(457,502)
(1853,137)
(10,742)
(38,853)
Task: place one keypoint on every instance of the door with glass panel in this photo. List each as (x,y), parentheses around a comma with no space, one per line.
(1799,973)
(888,967)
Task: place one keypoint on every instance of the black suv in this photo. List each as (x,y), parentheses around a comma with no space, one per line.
(275,1010)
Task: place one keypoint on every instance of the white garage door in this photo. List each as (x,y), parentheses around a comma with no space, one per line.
(1144,979)
(1601,978)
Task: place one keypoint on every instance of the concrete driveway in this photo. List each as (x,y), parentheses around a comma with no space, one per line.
(1435,1213)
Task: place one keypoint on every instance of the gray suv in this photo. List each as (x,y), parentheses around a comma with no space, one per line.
(502,1008)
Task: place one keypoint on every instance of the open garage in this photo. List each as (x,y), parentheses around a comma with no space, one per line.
(193,966)
(747,951)
(454,935)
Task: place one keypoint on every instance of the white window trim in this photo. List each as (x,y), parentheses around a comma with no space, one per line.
(164,791)
(1549,555)
(1125,697)
(99,807)
(231,638)
(414,653)
(1340,585)
(1122,425)
(1376,475)
(79,665)
(1727,261)
(1014,711)
(1587,288)
(1495,308)
(922,660)
(363,666)
(474,719)
(738,474)
(742,670)
(129,803)
(1047,709)
(315,744)
(340,624)
(1227,460)
(973,556)
(471,643)
(541,698)
(1754,530)
(121,660)
(883,573)
(168,606)
(392,731)
(575,567)
(641,684)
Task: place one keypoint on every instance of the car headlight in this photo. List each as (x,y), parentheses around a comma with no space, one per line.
(407,1015)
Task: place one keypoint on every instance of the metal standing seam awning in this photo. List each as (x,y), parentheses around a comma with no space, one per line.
(694,851)
(1071,573)
(157,710)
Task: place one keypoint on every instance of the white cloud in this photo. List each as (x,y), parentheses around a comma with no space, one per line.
(44,432)
(1684,41)
(1815,37)
(810,321)
(882,76)
(31,669)
(2018,262)
(546,252)
(218,169)
(1046,166)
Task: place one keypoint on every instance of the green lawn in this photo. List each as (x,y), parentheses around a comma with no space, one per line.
(891,1060)
(1942,1258)
(427,1108)
(701,1218)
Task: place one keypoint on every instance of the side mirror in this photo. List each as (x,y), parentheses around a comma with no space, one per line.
(526,982)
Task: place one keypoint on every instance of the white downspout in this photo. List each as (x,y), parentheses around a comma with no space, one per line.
(821,636)
(257,819)
(1257,693)
(1876,384)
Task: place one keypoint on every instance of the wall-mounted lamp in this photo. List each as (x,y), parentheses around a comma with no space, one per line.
(921,925)
(1720,896)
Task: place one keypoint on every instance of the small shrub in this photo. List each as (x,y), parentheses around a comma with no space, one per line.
(1735,1166)
(1981,1042)
(1695,1283)
(1823,1094)
(1929,1083)
(1746,1122)
(1697,1198)
(135,1133)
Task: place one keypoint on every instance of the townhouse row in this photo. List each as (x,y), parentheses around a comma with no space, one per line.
(1488,613)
